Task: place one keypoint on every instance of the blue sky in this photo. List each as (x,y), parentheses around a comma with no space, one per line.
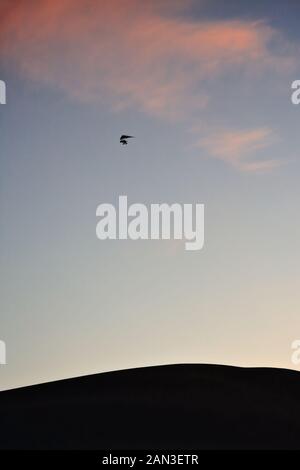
(206,91)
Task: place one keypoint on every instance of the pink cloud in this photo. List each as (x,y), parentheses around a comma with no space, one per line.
(142,55)
(238,147)
(126,53)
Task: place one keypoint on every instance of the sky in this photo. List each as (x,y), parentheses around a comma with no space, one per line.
(205,86)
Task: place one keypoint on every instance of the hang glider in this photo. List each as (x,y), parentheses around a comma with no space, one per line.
(124,138)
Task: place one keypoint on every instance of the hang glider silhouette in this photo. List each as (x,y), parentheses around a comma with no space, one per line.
(123,139)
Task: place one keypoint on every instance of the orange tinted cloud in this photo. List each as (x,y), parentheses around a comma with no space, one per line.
(141,54)
(238,147)
(128,53)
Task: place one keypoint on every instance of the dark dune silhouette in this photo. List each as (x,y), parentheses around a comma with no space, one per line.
(164,407)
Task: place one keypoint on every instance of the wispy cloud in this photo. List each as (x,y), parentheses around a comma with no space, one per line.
(133,54)
(125,53)
(239,148)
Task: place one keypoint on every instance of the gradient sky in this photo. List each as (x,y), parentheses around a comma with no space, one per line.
(205,87)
